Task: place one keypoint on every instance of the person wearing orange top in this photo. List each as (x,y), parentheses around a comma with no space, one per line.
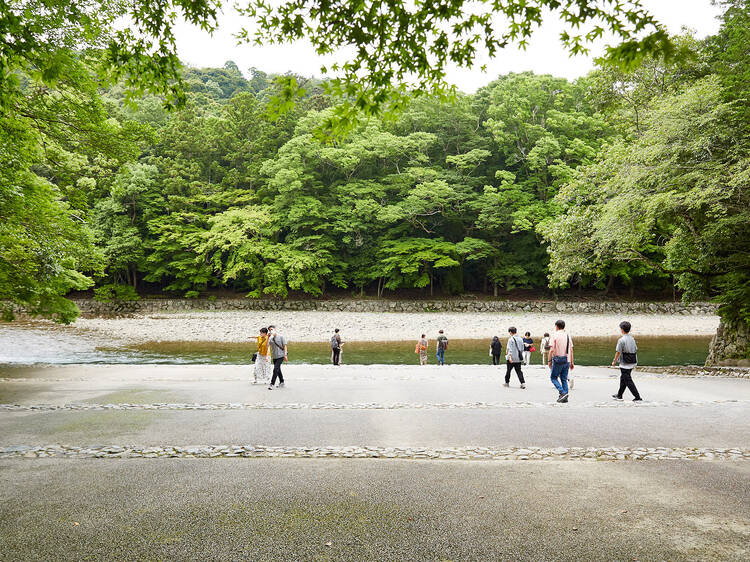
(262,369)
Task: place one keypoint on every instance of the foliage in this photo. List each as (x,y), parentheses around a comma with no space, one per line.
(113,292)
(675,200)
(404,48)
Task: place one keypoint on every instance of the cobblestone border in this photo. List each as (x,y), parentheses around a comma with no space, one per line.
(359,405)
(485,375)
(147,306)
(696,371)
(411,453)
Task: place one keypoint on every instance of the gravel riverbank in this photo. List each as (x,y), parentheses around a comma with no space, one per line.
(238,326)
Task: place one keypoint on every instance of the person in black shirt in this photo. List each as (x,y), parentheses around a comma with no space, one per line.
(496,347)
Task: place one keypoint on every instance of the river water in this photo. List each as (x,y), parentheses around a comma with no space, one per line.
(21,344)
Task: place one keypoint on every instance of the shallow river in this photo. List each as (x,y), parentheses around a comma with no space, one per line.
(54,346)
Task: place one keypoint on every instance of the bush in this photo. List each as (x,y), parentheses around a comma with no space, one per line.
(114,292)
(192,294)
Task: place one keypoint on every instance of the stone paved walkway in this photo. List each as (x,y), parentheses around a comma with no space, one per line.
(56,421)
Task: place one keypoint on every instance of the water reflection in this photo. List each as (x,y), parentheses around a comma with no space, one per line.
(20,344)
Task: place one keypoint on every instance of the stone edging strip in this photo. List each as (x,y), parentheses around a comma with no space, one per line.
(698,371)
(410,453)
(357,406)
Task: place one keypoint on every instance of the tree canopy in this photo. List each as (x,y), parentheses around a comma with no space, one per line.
(630,178)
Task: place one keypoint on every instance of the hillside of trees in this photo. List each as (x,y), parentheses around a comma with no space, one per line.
(616,181)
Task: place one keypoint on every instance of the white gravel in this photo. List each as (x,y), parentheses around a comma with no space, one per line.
(313,326)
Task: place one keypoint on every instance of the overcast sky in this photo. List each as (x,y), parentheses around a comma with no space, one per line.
(544,55)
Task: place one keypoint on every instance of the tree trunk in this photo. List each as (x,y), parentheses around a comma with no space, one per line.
(494,288)
(610,285)
(730,345)
(135,278)
(430,284)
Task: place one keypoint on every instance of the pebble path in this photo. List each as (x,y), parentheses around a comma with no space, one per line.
(409,453)
(360,405)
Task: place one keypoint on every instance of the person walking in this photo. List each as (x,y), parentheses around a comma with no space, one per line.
(421,349)
(544,347)
(514,357)
(262,368)
(626,353)
(336,347)
(527,345)
(442,345)
(496,350)
(560,360)
(278,354)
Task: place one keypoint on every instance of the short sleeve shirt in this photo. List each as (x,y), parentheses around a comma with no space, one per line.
(626,344)
(277,344)
(559,341)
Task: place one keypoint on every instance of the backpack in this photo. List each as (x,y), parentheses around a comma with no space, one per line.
(334,342)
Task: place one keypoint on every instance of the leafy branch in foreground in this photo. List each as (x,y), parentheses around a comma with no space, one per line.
(403,48)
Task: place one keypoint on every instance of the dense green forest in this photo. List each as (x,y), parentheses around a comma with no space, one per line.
(620,180)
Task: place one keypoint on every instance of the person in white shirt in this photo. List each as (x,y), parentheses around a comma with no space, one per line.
(514,357)
(626,354)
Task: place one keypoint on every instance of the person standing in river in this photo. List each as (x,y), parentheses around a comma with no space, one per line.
(442,345)
(421,349)
(514,357)
(336,347)
(496,350)
(262,368)
(626,353)
(561,360)
(278,354)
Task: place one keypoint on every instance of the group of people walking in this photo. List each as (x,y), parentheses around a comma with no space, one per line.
(557,354)
(441,345)
(556,351)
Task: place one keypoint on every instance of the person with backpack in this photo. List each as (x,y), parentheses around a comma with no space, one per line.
(561,360)
(626,353)
(278,354)
(514,357)
(336,347)
(442,345)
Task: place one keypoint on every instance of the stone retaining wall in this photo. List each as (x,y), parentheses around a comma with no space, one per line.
(150,306)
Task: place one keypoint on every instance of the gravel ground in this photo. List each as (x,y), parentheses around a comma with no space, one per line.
(289,509)
(316,326)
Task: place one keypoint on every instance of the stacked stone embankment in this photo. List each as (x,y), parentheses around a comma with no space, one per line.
(90,307)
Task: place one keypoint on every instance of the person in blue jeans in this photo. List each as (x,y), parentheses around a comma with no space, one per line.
(561,360)
(442,345)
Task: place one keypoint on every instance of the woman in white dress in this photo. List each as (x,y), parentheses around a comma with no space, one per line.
(262,369)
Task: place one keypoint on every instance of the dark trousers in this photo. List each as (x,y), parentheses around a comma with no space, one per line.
(277,371)
(626,381)
(517,367)
(336,355)
(495,359)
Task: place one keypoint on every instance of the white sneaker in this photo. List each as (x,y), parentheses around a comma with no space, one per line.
(270,387)
(523,386)
(281,385)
